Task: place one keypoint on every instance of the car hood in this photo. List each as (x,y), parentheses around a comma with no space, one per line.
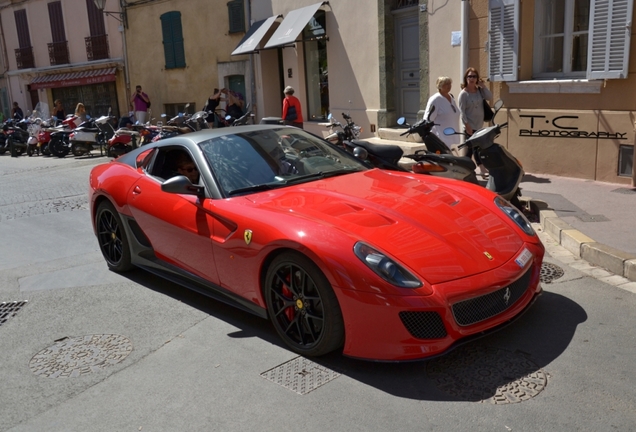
(430,225)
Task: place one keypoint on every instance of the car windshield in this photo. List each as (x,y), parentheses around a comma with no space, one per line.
(260,160)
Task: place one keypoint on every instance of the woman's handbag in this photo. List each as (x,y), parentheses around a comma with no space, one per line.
(488,113)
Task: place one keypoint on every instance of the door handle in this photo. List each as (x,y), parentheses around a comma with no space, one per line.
(137,190)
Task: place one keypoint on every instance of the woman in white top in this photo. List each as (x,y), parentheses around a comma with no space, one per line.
(446,112)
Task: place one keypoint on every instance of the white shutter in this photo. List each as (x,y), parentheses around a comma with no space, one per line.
(609,37)
(503,40)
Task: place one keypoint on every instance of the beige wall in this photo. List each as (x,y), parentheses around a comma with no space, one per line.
(207,44)
(352,53)
(444,18)
(606,108)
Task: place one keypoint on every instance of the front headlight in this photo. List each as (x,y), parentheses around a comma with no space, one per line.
(514,214)
(385,267)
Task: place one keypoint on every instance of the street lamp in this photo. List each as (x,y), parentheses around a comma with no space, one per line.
(119,16)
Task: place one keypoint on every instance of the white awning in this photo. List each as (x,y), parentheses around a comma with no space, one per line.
(293,25)
(255,35)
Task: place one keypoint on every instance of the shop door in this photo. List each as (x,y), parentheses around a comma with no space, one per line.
(407,58)
(97,98)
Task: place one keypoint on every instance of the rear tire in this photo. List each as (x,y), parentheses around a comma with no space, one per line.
(12,149)
(112,238)
(58,148)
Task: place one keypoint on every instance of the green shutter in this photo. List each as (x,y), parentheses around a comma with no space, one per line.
(236,13)
(173,40)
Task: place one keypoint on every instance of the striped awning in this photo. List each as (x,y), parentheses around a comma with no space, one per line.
(72,79)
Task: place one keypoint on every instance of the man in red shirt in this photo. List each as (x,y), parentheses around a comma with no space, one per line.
(292,112)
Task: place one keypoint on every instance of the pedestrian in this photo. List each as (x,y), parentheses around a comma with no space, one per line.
(80,113)
(471,105)
(140,102)
(210,107)
(446,113)
(58,111)
(292,112)
(16,112)
(234,105)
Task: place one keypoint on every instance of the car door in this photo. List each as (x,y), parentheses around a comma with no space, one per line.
(178,226)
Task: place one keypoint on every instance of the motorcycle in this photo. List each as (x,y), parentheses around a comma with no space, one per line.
(506,172)
(91,135)
(60,145)
(16,136)
(349,131)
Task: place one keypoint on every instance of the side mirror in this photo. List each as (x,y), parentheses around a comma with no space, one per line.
(498,104)
(401,121)
(330,117)
(181,185)
(449,131)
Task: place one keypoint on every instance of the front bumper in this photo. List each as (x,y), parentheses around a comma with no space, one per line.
(401,328)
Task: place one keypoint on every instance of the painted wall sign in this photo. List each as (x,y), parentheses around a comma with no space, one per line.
(555,129)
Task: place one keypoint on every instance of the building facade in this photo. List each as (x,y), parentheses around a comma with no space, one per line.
(566,73)
(61,50)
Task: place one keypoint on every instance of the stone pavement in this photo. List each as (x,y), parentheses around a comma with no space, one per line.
(594,221)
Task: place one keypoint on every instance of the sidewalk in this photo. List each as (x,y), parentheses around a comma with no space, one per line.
(595,221)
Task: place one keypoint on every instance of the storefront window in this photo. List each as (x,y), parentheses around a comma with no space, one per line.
(316,70)
(626,161)
(561,29)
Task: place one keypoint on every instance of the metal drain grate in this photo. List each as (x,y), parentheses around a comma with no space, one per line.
(300,375)
(9,309)
(73,357)
(478,373)
(550,272)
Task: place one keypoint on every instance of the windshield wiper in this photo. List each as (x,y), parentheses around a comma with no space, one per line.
(254,188)
(321,175)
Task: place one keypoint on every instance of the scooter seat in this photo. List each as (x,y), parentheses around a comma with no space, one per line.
(388,152)
(86,129)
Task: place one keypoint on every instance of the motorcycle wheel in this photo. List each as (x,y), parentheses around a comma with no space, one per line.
(14,151)
(29,151)
(58,148)
(77,150)
(44,148)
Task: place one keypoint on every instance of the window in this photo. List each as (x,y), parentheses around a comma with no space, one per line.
(626,161)
(561,38)
(236,16)
(173,40)
(572,39)
(316,70)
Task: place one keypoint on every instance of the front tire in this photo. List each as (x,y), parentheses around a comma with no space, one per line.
(58,147)
(302,306)
(112,239)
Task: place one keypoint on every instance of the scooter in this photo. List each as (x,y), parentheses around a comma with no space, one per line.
(16,136)
(60,145)
(348,132)
(437,159)
(506,172)
(91,135)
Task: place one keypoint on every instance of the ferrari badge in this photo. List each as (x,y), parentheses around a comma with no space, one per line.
(247,236)
(488,255)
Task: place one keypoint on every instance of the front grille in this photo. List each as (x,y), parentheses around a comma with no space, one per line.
(424,325)
(477,309)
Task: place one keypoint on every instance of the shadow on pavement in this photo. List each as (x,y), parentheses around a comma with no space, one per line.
(532,179)
(540,336)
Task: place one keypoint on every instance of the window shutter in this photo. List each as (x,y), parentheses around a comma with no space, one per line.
(236,15)
(503,40)
(610,34)
(173,40)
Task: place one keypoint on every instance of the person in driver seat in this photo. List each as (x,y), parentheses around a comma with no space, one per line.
(186,167)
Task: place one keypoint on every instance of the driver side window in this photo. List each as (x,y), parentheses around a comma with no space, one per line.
(175,161)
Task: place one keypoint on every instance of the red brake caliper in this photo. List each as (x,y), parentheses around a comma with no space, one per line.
(289,312)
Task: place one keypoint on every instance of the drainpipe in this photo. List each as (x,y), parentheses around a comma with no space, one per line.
(6,68)
(252,66)
(122,6)
(465,44)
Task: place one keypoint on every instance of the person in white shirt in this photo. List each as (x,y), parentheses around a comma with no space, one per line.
(446,113)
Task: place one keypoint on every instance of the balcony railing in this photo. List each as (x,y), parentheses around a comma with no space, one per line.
(24,58)
(401,4)
(58,53)
(97,47)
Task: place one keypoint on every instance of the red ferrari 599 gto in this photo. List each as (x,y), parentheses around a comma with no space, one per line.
(382,265)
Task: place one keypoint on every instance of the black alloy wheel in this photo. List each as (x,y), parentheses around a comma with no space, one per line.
(112,239)
(302,306)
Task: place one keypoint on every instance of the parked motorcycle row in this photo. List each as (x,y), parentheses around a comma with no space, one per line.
(506,172)
(34,135)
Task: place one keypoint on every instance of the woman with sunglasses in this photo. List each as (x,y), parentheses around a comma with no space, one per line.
(470,99)
(446,113)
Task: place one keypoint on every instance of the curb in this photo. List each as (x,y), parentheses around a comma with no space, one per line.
(614,260)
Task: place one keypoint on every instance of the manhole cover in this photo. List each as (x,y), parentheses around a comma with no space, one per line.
(550,272)
(478,373)
(300,375)
(9,309)
(73,357)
